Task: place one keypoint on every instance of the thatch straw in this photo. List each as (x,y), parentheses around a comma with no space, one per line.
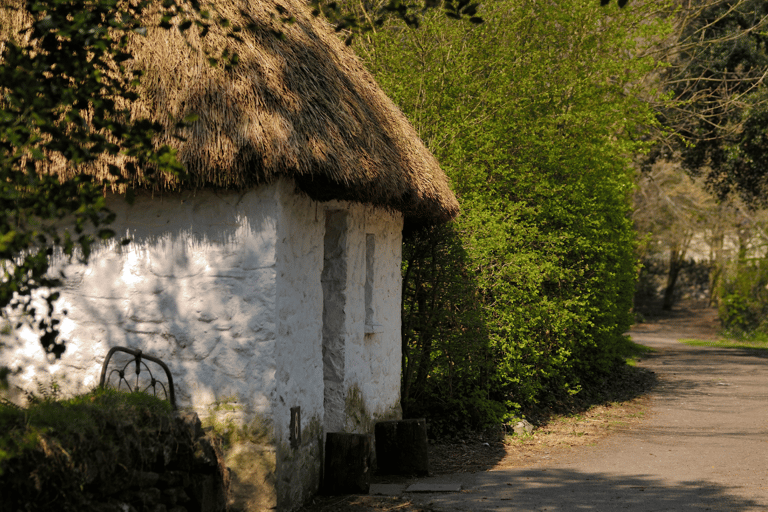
(299,106)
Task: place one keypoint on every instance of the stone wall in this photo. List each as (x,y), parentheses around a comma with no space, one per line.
(166,463)
(371,362)
(373,354)
(196,288)
(226,289)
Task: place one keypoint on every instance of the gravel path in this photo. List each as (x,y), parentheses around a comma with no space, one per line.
(702,446)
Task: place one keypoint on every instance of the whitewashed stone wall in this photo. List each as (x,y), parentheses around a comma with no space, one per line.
(371,362)
(196,287)
(226,289)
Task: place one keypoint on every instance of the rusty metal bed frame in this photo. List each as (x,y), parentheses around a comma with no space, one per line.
(139,358)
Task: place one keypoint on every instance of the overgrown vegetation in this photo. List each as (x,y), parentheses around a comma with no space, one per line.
(59,446)
(106,450)
(74,422)
(525,298)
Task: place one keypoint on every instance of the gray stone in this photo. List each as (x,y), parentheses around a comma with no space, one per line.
(205,453)
(191,421)
(427,487)
(387,489)
(523,427)
(174,479)
(174,496)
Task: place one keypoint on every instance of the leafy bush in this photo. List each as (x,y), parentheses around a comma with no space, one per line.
(533,117)
(450,417)
(75,452)
(75,420)
(743,304)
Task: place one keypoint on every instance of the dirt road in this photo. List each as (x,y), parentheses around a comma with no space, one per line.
(703,444)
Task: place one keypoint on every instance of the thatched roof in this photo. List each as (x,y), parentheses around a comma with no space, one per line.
(300,106)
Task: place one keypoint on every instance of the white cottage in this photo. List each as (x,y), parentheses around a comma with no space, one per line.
(271,280)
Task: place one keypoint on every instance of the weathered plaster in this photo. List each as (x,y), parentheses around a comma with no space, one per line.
(196,287)
(226,288)
(371,361)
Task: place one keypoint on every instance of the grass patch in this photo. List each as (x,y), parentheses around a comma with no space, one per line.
(632,352)
(729,343)
(75,421)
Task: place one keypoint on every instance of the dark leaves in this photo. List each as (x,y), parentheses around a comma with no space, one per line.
(409,13)
(621,3)
(63,83)
(106,234)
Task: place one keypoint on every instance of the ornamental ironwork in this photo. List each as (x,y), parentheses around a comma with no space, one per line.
(138,379)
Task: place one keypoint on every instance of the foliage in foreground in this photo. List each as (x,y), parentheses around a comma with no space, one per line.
(75,422)
(96,451)
(526,296)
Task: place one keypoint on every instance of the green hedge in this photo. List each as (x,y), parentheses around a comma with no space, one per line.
(743,297)
(534,115)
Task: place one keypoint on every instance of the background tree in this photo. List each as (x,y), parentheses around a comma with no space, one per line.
(718,115)
(682,228)
(715,127)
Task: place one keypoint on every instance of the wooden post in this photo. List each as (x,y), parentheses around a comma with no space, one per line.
(401,447)
(347,463)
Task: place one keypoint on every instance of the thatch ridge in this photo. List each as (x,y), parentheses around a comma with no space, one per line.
(300,106)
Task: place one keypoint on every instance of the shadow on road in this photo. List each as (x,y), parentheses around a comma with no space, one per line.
(568,490)
(697,373)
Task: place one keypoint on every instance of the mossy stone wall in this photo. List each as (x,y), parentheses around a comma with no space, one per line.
(146,462)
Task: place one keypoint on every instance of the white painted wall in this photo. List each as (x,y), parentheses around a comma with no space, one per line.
(226,289)
(372,362)
(196,287)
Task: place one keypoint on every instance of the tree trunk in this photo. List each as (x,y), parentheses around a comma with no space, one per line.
(716,266)
(676,257)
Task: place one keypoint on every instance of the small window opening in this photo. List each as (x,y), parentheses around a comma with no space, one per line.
(371,324)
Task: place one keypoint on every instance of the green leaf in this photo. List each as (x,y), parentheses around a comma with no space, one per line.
(106,234)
